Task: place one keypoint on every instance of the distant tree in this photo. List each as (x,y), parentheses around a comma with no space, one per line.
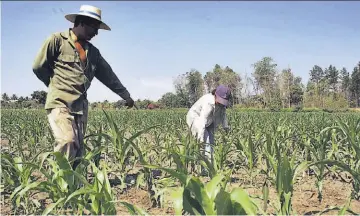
(194,86)
(14,97)
(39,96)
(291,88)
(213,78)
(345,83)
(182,92)
(355,85)
(333,78)
(285,84)
(21,99)
(265,73)
(316,74)
(318,85)
(5,97)
(119,104)
(171,100)
(296,91)
(106,104)
(94,105)
(225,76)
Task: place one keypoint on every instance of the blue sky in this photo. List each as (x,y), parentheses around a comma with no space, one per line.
(153,42)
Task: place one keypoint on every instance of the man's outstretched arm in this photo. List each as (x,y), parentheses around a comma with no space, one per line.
(44,61)
(106,75)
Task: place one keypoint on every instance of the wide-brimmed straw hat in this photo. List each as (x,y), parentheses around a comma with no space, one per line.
(89,11)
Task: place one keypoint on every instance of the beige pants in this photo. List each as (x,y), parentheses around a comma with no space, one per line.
(68,130)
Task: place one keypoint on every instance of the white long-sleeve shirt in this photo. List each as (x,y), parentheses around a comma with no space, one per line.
(203,113)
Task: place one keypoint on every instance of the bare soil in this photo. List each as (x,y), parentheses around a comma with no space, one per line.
(304,201)
(4,142)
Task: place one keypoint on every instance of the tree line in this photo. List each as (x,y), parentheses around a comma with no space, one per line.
(269,87)
(266,87)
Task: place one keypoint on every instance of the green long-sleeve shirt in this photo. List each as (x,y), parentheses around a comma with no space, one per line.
(58,66)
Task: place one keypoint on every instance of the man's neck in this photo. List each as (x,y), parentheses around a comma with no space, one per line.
(74,35)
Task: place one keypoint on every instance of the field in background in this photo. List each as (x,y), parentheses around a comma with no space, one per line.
(145,161)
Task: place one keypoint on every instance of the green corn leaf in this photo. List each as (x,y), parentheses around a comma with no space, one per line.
(180,176)
(223,203)
(62,161)
(29,187)
(18,164)
(134,210)
(340,164)
(51,206)
(191,205)
(346,206)
(17,201)
(198,189)
(242,202)
(265,191)
(62,184)
(300,168)
(95,203)
(79,177)
(81,191)
(177,197)
(212,188)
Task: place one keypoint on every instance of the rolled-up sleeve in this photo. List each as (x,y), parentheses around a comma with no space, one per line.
(106,75)
(44,60)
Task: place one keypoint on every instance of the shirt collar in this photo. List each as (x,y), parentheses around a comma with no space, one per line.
(72,38)
(73,35)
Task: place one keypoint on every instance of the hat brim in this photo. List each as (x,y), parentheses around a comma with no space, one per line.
(222,100)
(72,17)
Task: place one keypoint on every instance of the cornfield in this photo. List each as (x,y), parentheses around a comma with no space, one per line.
(268,163)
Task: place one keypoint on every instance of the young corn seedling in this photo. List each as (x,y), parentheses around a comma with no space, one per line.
(350,132)
(247,149)
(18,175)
(62,187)
(197,198)
(281,171)
(154,187)
(319,147)
(182,153)
(122,148)
(222,153)
(57,187)
(285,172)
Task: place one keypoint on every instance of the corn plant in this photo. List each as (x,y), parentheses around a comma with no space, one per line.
(223,151)
(319,146)
(285,172)
(247,148)
(17,175)
(281,171)
(122,148)
(351,135)
(124,142)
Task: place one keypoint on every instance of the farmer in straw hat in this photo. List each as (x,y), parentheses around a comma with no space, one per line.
(67,63)
(206,114)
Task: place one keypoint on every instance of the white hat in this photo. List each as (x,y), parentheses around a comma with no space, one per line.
(89,11)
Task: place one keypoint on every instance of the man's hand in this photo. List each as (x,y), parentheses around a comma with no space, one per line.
(129,103)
